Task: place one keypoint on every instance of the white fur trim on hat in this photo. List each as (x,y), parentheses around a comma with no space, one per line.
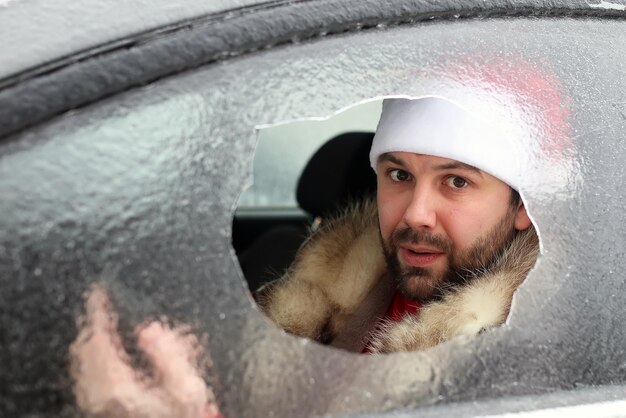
(437,126)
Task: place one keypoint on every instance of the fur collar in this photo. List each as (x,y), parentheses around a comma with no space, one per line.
(338,287)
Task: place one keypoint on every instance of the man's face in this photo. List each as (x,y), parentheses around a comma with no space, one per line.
(440,220)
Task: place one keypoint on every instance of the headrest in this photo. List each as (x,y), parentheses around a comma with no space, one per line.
(338,172)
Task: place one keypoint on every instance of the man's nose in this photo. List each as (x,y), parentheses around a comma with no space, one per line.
(421,211)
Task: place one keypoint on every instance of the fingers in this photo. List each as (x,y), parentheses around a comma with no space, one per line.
(176,356)
(211,411)
(100,367)
(105,383)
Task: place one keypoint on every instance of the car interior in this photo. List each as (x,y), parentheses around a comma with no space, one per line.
(267,240)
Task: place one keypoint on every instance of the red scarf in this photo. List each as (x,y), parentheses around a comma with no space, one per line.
(399,307)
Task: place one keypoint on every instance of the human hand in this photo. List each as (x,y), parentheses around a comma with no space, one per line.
(106,385)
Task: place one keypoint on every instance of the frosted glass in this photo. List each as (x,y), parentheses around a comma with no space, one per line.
(137,193)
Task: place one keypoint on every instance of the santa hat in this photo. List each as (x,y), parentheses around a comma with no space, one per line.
(440,127)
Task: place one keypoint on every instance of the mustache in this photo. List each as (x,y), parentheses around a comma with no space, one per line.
(415,237)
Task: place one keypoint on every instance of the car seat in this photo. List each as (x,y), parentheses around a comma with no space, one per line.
(338,173)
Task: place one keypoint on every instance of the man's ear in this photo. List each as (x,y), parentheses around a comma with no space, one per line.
(522,220)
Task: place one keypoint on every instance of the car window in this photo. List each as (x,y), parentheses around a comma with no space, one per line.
(284,149)
(136,195)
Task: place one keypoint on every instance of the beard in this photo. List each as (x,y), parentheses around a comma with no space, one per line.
(424,283)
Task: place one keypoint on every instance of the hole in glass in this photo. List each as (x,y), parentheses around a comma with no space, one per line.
(429,245)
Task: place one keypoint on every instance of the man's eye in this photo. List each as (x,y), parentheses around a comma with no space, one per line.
(457,182)
(399,175)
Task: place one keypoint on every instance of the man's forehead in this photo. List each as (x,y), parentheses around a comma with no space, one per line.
(438,163)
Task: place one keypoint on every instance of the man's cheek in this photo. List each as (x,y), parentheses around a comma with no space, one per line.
(387,224)
(385,234)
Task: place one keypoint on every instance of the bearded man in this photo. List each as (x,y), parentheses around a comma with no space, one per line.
(440,252)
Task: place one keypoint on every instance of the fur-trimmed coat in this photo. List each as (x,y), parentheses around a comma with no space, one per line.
(338,288)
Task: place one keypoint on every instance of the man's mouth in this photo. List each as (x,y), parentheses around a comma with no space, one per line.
(419,256)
